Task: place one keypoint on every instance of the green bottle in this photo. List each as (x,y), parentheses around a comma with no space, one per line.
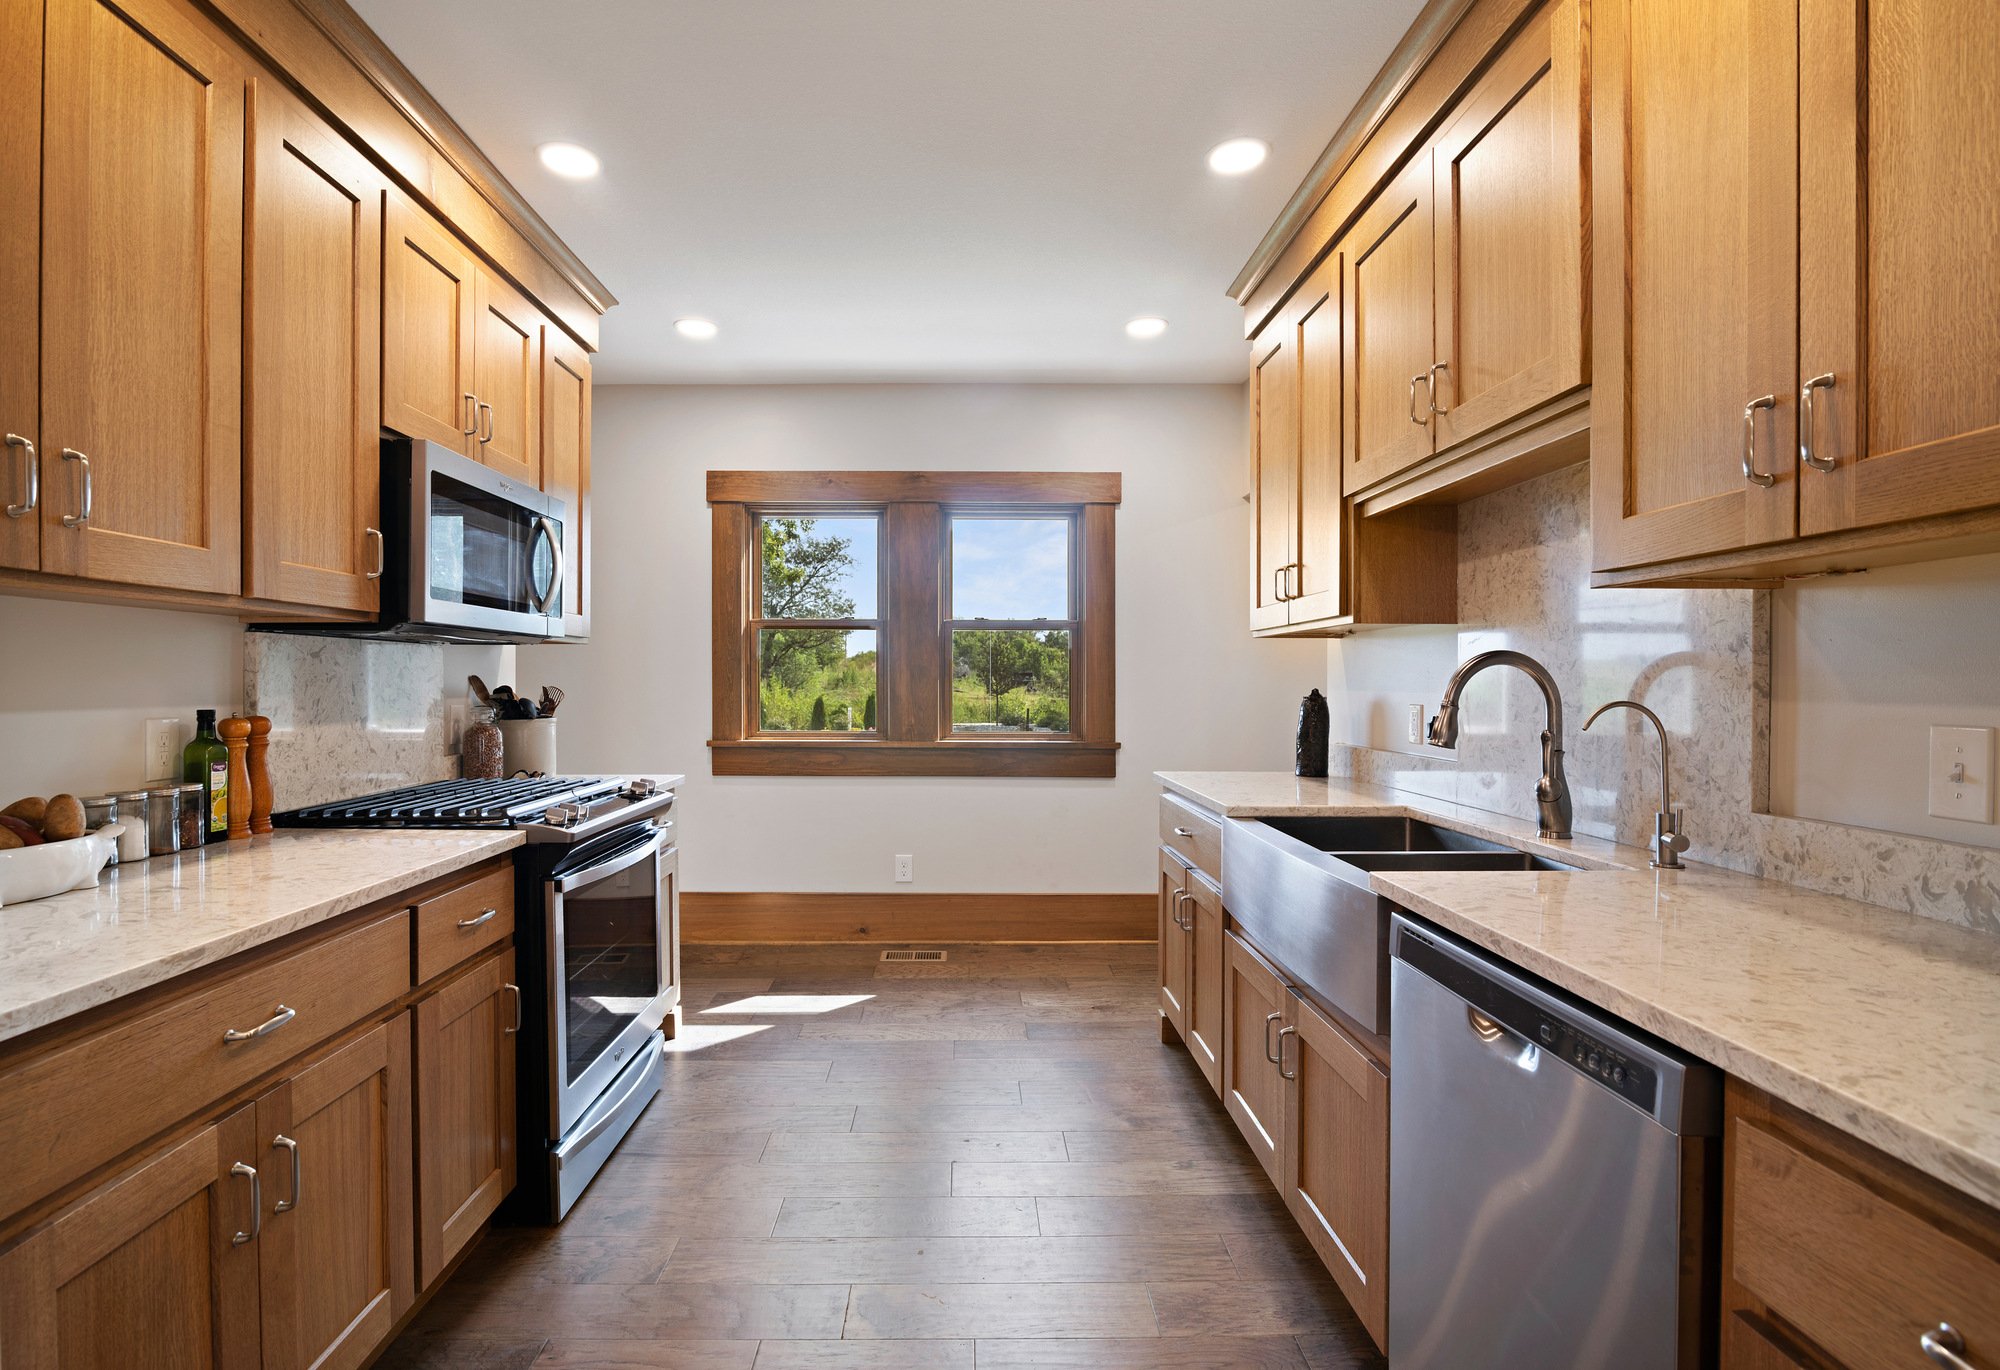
(205,761)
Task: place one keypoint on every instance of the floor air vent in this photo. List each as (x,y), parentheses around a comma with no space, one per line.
(913,956)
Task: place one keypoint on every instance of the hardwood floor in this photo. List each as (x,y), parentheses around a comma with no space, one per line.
(990,1163)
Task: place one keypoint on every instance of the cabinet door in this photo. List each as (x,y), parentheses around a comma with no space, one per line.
(507,377)
(1203,912)
(146,1271)
(20,284)
(1274,465)
(428,285)
(338,1260)
(566,465)
(312,465)
(465,1108)
(1318,587)
(1253,1006)
(1174,880)
(1693,139)
(1337,1157)
(1899,234)
(142,296)
(1507,187)
(1389,348)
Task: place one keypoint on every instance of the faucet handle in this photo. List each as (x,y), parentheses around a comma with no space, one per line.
(1670,837)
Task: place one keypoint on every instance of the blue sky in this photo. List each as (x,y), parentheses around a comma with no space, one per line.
(1009,568)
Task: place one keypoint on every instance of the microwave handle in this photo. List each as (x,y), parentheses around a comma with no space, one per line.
(553,600)
(590,875)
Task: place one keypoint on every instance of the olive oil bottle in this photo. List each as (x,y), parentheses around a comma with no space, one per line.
(205,761)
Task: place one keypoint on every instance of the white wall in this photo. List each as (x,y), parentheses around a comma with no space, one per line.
(1193,691)
(79,681)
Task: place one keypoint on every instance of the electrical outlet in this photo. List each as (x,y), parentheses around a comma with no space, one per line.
(1417,723)
(454,725)
(163,749)
(1961,774)
(906,869)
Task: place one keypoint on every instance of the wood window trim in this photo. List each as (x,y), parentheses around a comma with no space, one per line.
(914,680)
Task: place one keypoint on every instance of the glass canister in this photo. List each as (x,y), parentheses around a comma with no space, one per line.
(163,820)
(191,818)
(101,811)
(480,747)
(134,810)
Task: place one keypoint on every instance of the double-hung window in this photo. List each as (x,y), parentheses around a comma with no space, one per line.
(913,623)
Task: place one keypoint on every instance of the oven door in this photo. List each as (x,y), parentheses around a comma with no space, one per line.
(485,552)
(607,956)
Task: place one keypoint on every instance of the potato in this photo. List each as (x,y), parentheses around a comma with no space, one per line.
(63,819)
(30,810)
(9,839)
(28,834)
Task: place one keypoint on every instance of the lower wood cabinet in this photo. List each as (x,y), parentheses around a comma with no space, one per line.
(1336,1153)
(1174,878)
(1191,962)
(1253,999)
(465,1034)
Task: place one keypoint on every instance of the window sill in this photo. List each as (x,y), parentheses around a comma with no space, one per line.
(1066,759)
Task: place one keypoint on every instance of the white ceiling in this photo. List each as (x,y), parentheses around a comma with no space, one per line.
(905,189)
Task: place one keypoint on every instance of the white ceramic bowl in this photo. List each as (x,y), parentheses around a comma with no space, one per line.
(55,867)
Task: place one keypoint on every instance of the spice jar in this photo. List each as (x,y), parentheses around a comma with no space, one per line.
(163,820)
(188,819)
(479,749)
(133,809)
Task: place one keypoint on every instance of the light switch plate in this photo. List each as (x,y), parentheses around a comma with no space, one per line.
(1961,774)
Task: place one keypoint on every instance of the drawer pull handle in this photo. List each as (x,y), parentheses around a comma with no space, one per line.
(514,990)
(256,1203)
(1946,1347)
(264,1029)
(290,1144)
(1183,832)
(1269,1054)
(1283,1033)
(480,919)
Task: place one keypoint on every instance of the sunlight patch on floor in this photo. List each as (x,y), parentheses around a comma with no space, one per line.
(790,1003)
(699,1036)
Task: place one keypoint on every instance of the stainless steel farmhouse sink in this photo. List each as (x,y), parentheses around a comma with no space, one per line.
(1299,887)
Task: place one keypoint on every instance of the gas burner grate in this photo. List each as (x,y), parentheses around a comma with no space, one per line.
(451,804)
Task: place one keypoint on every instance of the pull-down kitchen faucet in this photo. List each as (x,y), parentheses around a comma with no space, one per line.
(1552,791)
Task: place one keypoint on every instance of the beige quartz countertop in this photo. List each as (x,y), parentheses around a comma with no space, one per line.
(1884,1024)
(152,920)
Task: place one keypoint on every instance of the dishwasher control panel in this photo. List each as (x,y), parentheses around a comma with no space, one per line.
(1627,1077)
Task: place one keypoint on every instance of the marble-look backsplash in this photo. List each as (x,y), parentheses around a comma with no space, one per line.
(1698,658)
(348,716)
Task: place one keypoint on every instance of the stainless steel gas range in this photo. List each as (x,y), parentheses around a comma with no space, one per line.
(597,924)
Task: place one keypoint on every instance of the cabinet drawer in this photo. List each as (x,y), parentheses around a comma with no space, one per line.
(1859,1273)
(1195,833)
(66,1112)
(455,925)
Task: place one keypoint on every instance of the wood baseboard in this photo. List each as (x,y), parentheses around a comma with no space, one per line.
(760,917)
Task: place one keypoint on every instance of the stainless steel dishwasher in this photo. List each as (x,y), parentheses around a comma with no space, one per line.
(1546,1175)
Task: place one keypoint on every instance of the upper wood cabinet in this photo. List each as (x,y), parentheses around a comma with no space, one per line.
(312,469)
(157,1267)
(565,406)
(1274,471)
(507,378)
(1899,261)
(1391,349)
(20,285)
(429,290)
(141,296)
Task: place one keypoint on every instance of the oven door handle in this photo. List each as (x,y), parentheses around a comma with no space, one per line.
(590,875)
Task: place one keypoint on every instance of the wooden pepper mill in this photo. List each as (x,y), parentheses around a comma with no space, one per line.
(259,763)
(236,736)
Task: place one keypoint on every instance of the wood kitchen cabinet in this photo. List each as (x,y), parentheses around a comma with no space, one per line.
(464,1048)
(507,378)
(20,285)
(1253,999)
(429,290)
(1173,958)
(1274,471)
(1335,1125)
(141,327)
(337,1253)
(1202,915)
(156,1267)
(311,475)
(1390,347)
(565,407)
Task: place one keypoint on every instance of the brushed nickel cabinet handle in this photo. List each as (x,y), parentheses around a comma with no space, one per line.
(291,1145)
(486,424)
(1431,384)
(249,1172)
(381,551)
(77,520)
(478,919)
(1183,832)
(514,990)
(1277,590)
(1421,420)
(34,499)
(270,1025)
(1283,1033)
(1945,1346)
(1750,471)
(471,414)
(1806,423)
(1269,1054)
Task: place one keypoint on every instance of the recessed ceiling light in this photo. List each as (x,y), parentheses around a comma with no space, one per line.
(1146,326)
(567,159)
(1237,156)
(699,329)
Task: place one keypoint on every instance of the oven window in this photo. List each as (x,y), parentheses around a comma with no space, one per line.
(481,548)
(611,959)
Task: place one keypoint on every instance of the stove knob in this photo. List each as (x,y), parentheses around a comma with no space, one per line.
(640,788)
